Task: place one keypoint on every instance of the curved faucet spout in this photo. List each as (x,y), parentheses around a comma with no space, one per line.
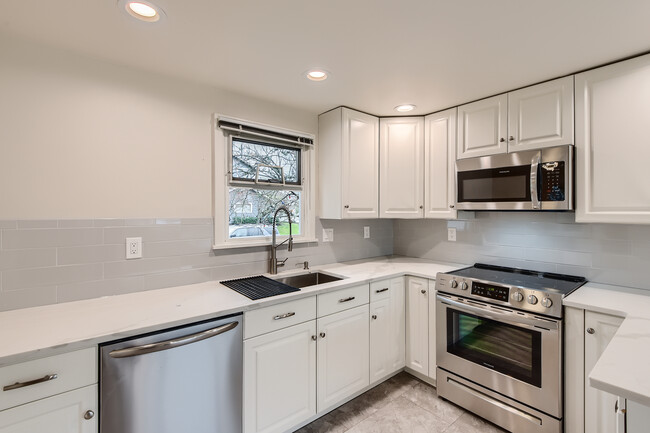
(274,262)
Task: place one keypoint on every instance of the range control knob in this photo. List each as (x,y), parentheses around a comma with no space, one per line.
(517,296)
(532,299)
(546,302)
(454,284)
(464,286)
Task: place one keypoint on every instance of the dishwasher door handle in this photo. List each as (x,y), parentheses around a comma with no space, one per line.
(173,343)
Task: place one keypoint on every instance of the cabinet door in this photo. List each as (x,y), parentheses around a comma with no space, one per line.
(343,355)
(482,127)
(360,165)
(280,378)
(380,341)
(397,349)
(541,116)
(638,417)
(432,329)
(440,162)
(600,416)
(62,413)
(612,176)
(402,167)
(417,325)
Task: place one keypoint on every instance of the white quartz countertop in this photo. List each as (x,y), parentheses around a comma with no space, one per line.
(37,332)
(624,367)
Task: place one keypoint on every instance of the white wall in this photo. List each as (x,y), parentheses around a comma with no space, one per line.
(82,138)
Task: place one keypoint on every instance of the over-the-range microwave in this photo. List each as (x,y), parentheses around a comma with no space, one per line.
(529,180)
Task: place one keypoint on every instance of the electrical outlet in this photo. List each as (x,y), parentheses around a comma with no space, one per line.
(133,248)
(328,235)
(451,234)
(366,232)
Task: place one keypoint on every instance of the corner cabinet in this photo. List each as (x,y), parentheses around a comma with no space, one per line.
(530,118)
(348,153)
(612,177)
(439,169)
(401,165)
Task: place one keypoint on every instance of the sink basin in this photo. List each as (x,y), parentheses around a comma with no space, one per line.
(306,280)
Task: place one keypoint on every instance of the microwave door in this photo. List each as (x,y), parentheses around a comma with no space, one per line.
(508,188)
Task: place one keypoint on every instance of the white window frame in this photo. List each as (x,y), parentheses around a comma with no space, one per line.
(221,169)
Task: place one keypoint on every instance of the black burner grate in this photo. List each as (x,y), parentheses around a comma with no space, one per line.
(258,287)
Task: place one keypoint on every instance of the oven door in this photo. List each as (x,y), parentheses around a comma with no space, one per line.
(516,354)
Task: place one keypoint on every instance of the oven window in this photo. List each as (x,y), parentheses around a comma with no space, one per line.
(507,349)
(506,184)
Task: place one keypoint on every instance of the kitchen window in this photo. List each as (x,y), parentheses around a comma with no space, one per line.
(257,169)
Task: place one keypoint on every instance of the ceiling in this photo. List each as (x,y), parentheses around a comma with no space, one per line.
(380,53)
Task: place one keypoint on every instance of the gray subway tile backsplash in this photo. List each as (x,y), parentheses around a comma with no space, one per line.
(48,261)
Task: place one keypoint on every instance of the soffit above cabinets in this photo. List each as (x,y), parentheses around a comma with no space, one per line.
(434,54)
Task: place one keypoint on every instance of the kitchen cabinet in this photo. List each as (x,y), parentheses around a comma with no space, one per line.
(432,329)
(348,146)
(280,378)
(541,116)
(612,177)
(401,163)
(636,417)
(343,355)
(417,325)
(482,127)
(70,412)
(387,328)
(600,415)
(439,168)
(530,118)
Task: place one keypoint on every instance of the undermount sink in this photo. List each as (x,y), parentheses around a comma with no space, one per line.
(306,280)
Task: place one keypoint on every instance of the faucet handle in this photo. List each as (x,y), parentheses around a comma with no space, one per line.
(281,262)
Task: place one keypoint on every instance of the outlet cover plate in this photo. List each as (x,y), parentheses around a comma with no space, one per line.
(328,235)
(133,248)
(451,234)
(366,232)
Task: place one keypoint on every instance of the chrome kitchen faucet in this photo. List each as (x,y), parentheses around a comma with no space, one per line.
(274,260)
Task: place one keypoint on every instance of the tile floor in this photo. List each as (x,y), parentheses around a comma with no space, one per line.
(401,404)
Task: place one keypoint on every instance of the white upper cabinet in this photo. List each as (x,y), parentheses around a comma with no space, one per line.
(482,127)
(541,116)
(612,135)
(402,167)
(348,153)
(530,118)
(439,158)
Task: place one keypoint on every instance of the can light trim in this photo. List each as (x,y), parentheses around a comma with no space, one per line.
(142,10)
(317,74)
(403,108)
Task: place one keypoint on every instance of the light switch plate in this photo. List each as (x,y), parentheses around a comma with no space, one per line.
(366,232)
(451,234)
(328,235)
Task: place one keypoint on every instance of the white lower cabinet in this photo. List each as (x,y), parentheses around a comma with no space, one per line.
(343,355)
(417,325)
(600,406)
(280,378)
(432,329)
(387,328)
(637,418)
(62,413)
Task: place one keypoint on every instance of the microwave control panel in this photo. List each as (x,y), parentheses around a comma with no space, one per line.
(552,177)
(490,291)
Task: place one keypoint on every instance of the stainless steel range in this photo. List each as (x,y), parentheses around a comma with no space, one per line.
(499,344)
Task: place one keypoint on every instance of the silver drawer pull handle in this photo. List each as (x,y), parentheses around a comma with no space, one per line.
(381,290)
(284,316)
(351,298)
(18,385)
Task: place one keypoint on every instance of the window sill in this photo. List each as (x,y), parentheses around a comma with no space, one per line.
(259,243)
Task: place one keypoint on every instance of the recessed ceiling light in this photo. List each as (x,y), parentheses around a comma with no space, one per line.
(317,74)
(404,108)
(142,10)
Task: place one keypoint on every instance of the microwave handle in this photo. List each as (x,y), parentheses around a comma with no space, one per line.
(534,193)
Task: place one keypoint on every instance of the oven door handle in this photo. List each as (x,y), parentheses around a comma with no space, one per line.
(510,318)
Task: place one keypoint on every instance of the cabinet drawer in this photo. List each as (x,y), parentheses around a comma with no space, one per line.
(339,300)
(278,316)
(73,370)
(380,290)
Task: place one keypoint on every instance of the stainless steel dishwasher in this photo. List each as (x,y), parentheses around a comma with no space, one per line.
(186,379)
